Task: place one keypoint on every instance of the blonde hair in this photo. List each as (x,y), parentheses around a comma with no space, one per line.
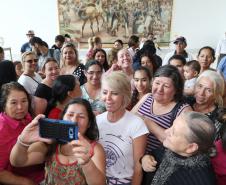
(218,84)
(26,54)
(119,82)
(69,45)
(92,41)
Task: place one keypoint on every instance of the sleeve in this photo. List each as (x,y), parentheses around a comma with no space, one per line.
(221,64)
(139,127)
(40,92)
(4,150)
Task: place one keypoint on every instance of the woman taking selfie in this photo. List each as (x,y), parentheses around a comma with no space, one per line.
(79,162)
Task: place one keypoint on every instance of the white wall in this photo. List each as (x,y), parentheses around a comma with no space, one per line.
(202,22)
(17,17)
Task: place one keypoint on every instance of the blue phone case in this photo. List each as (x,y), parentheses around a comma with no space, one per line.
(60,130)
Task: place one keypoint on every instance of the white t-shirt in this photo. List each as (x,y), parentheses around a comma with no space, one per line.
(117,139)
(30,84)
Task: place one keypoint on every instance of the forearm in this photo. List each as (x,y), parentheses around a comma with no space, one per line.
(19,150)
(137,175)
(93,175)
(7,177)
(155,129)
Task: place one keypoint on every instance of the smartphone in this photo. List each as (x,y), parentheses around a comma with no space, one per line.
(61,130)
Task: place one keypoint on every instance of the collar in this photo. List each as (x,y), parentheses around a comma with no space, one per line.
(15,123)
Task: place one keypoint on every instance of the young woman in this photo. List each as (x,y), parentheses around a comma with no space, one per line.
(43,92)
(101,56)
(79,162)
(142,83)
(70,62)
(91,89)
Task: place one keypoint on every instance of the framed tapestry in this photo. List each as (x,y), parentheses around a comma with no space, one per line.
(115,19)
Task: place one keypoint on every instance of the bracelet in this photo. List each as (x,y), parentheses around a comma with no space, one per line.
(21,142)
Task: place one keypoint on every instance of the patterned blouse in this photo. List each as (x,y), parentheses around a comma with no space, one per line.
(63,174)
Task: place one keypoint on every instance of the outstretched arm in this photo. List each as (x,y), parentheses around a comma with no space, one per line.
(30,148)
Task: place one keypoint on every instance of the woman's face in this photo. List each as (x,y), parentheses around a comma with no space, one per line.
(163,89)
(100,57)
(179,65)
(52,70)
(117,45)
(124,59)
(77,113)
(175,139)
(205,58)
(113,99)
(16,105)
(30,63)
(76,92)
(69,55)
(141,81)
(19,69)
(146,62)
(93,75)
(204,92)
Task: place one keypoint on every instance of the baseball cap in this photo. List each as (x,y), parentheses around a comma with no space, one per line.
(30,32)
(180,39)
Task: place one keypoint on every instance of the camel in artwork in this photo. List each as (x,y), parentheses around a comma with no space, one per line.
(91,12)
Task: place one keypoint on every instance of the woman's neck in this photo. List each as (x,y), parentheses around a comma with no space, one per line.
(48,82)
(29,73)
(204,108)
(115,116)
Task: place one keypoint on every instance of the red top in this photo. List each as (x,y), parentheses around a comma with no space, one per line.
(55,113)
(10,129)
(219,163)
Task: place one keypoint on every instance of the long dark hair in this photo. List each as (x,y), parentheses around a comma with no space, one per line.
(60,88)
(105,64)
(92,132)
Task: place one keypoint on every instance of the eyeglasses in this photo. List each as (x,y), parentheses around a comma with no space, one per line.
(31,61)
(94,72)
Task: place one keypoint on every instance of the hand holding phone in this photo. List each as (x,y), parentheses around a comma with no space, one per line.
(61,130)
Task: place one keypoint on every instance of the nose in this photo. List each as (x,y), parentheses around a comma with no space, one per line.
(108,96)
(201,91)
(19,106)
(160,88)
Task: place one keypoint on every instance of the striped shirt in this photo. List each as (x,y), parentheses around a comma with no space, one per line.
(165,120)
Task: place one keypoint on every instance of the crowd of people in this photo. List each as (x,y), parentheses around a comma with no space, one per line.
(142,119)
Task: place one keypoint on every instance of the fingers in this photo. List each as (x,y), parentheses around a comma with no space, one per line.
(149,163)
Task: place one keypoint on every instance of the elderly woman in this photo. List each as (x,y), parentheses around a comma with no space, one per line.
(185,160)
(29,78)
(14,116)
(209,89)
(122,134)
(70,62)
(163,105)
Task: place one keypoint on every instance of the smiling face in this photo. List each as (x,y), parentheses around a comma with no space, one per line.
(113,100)
(124,59)
(205,59)
(51,70)
(100,56)
(93,75)
(30,63)
(16,105)
(69,56)
(141,81)
(78,113)
(204,92)
(163,89)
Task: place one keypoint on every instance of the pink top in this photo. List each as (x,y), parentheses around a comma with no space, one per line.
(219,163)
(9,131)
